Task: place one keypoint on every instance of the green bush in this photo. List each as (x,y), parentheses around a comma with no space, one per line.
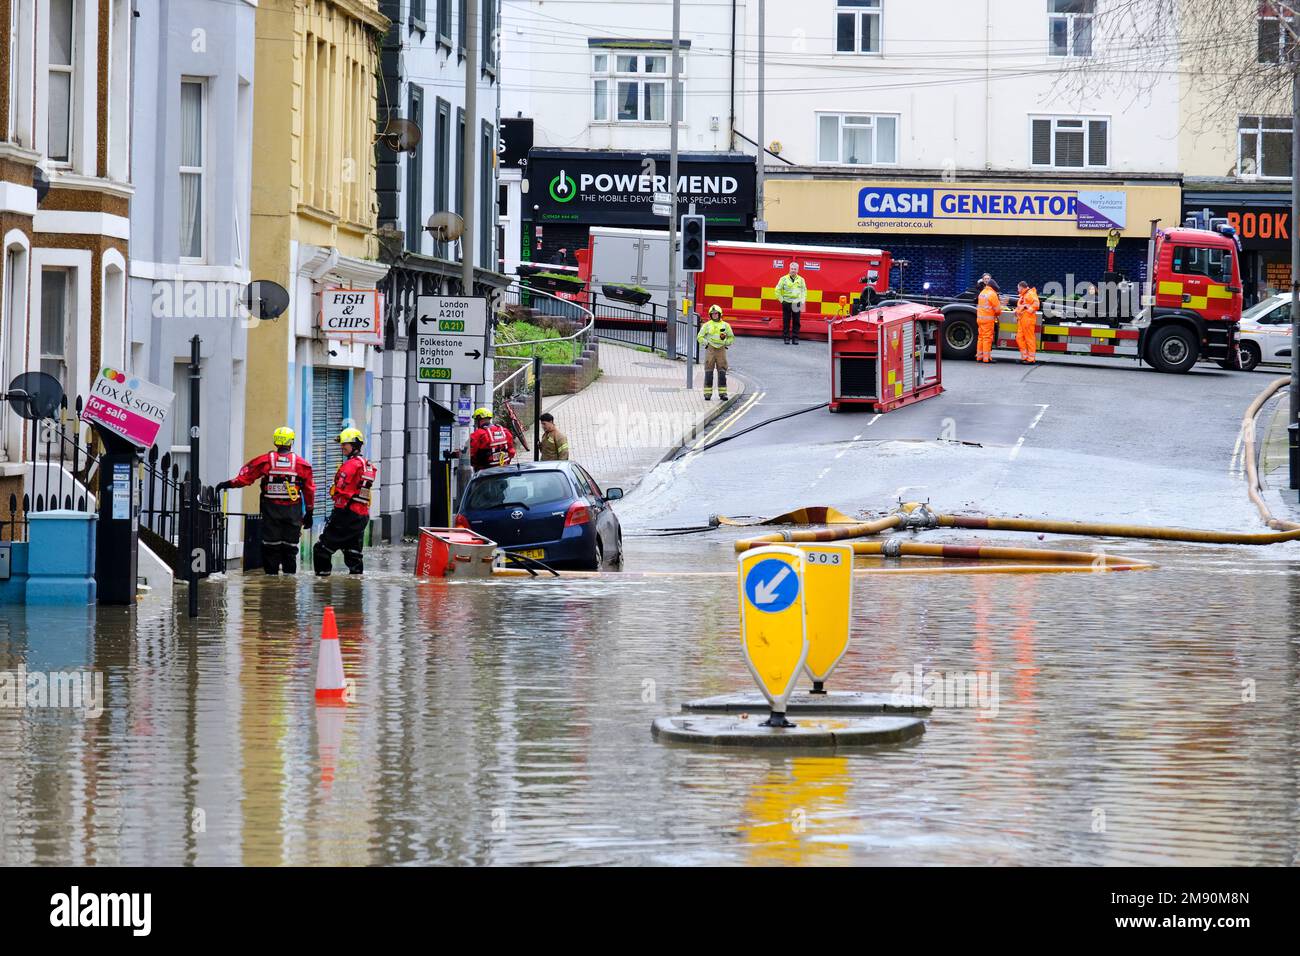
(557,351)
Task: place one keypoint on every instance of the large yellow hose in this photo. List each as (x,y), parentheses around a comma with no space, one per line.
(1099,562)
(1115,530)
(1248,456)
(825,534)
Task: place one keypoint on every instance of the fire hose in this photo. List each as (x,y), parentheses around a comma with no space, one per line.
(1248,456)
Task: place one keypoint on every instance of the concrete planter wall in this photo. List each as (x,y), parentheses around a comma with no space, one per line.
(567,379)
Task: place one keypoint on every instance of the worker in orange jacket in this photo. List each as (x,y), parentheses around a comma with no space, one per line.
(1027,305)
(988,311)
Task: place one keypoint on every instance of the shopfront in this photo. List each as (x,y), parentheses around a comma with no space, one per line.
(948,233)
(568,191)
(1263,223)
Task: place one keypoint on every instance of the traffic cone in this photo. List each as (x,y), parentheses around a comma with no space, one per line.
(330,686)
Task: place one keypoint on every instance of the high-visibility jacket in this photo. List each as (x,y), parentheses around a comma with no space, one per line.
(990,305)
(286,478)
(715,335)
(491,447)
(791,288)
(352,484)
(554,446)
(1027,305)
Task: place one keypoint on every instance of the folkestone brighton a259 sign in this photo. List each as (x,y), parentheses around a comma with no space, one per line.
(619,188)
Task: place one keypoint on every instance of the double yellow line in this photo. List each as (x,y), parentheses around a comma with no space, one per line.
(727,421)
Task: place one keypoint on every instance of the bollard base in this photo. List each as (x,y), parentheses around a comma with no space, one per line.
(777,719)
(809,702)
(827,733)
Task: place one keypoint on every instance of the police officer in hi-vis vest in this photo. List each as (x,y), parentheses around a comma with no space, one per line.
(345,529)
(287,494)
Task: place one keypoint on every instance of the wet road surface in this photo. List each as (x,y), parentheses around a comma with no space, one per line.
(1133,717)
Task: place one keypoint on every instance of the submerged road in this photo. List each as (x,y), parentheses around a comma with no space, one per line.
(1068,438)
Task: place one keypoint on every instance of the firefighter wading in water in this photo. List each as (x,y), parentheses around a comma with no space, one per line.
(345,529)
(287,494)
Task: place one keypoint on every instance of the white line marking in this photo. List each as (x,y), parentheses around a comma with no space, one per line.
(1042,409)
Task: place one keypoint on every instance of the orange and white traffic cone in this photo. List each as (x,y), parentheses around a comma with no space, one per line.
(330,685)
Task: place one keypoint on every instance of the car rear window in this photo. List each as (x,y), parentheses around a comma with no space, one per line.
(529,488)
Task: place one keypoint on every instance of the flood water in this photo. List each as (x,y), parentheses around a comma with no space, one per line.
(1140,718)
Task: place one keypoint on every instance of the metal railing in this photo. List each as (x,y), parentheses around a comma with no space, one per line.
(547,304)
(641,326)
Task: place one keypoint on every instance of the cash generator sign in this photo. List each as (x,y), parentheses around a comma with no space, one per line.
(923,207)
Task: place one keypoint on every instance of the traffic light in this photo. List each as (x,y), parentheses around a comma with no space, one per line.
(692,244)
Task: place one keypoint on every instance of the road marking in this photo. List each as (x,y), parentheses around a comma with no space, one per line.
(1042,409)
(1237,464)
(720,427)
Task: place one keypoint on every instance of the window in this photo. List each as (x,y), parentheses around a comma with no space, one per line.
(192,143)
(180,412)
(14,96)
(857,139)
(415,174)
(1070,143)
(463,23)
(1214,264)
(444,22)
(56,304)
(1277,36)
(857,26)
(1264,147)
(417,14)
(442,168)
(61,95)
(1069,27)
(459,198)
(488,52)
(486,195)
(630,87)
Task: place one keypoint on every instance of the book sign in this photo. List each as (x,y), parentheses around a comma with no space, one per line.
(351,314)
(128,407)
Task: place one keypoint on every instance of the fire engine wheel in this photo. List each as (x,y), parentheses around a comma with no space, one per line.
(958,338)
(1172,349)
(1249,356)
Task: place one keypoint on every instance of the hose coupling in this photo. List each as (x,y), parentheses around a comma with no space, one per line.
(920,518)
(892,548)
(787,536)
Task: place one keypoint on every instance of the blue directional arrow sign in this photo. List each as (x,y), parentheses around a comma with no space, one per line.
(772,585)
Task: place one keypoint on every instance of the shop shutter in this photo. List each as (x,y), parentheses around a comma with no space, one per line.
(328,390)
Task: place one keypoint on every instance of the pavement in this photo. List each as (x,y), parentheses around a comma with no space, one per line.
(635,414)
(1283,501)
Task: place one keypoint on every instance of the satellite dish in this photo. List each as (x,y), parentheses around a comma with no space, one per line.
(35,395)
(445,226)
(401,135)
(265,299)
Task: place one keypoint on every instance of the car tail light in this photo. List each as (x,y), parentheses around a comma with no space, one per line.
(579,513)
(462,521)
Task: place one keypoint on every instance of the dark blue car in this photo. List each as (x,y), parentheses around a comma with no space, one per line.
(550,511)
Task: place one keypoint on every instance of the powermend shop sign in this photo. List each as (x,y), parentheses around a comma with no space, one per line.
(979,209)
(618,188)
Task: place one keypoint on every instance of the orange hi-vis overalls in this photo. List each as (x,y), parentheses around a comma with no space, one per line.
(1027,325)
(987,313)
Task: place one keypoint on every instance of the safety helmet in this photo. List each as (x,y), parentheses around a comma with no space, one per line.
(351,436)
(715,309)
(482,413)
(283,436)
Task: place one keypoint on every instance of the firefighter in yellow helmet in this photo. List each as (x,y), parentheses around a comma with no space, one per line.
(716,337)
(288,491)
(345,529)
(490,446)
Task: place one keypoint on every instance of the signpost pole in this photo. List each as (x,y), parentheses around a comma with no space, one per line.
(195,481)
(537,408)
(1294,433)
(468,206)
(674,115)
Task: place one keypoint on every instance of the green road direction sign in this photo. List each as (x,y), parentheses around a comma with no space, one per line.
(451,338)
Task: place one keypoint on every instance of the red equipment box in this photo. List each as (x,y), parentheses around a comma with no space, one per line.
(454,552)
(878,357)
